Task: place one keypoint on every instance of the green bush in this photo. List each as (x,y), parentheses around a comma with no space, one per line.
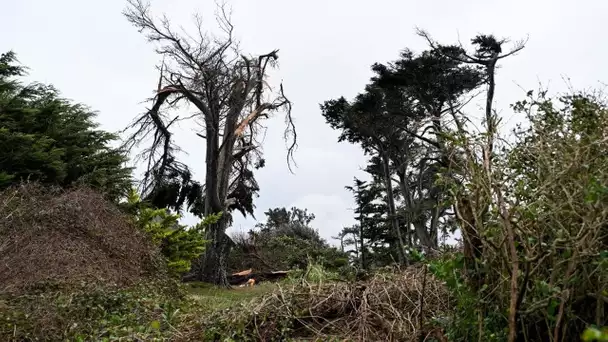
(179,244)
(313,273)
(51,140)
(462,324)
(285,241)
(538,227)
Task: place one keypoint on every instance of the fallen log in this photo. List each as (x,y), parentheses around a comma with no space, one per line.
(244,276)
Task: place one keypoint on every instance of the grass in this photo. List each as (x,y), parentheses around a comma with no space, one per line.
(210,313)
(213,298)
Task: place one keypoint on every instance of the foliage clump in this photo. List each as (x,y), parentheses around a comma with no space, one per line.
(179,244)
(541,267)
(285,241)
(47,139)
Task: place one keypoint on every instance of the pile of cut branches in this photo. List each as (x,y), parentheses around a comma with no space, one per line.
(388,307)
(57,238)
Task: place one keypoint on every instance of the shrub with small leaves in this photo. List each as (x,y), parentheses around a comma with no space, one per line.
(179,244)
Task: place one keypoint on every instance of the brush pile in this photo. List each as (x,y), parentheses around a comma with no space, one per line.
(62,238)
(388,307)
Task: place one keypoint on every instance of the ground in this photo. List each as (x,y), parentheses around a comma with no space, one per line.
(212,298)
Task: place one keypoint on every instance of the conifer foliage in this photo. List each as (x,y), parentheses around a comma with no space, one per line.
(48,139)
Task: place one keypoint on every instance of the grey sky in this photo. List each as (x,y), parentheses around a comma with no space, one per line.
(90,52)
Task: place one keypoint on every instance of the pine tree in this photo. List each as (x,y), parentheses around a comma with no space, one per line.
(48,139)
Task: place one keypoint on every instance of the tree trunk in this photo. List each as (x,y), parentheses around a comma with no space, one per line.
(435,215)
(218,160)
(391,209)
(421,233)
(361,249)
(213,268)
(490,121)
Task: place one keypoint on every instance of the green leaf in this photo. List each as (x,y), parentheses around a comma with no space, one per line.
(591,334)
(155,325)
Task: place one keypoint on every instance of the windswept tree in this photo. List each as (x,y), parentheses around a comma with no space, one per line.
(366,121)
(488,51)
(351,237)
(371,232)
(473,205)
(401,120)
(436,87)
(478,190)
(231,98)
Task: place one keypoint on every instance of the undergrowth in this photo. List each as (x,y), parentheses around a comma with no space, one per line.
(179,244)
(143,312)
(311,305)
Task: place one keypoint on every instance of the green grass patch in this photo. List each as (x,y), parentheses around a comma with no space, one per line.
(211,298)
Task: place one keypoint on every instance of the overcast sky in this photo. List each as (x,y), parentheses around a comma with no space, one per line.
(91,53)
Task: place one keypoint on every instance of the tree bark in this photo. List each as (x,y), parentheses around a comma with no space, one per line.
(391,208)
(421,233)
(213,268)
(218,162)
(434,229)
(361,248)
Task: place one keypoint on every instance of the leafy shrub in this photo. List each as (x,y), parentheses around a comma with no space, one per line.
(539,217)
(143,312)
(285,241)
(462,323)
(314,273)
(179,244)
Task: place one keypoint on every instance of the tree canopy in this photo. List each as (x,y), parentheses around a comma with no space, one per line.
(400,120)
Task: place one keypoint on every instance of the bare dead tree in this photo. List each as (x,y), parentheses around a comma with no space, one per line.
(231,97)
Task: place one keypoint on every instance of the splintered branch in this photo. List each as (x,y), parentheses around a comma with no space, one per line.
(251,118)
(290,131)
(282,102)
